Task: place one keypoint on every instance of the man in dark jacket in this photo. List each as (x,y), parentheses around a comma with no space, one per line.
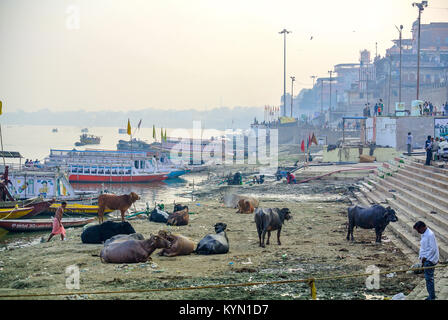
(428,148)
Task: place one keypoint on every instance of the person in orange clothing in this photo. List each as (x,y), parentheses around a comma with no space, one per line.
(58,228)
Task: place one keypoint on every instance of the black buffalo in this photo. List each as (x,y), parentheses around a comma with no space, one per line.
(179,207)
(268,220)
(158,215)
(101,232)
(214,243)
(376,217)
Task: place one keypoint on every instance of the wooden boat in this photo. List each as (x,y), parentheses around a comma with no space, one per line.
(26,225)
(38,204)
(14,213)
(76,209)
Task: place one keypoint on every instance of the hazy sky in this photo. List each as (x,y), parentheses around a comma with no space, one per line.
(178,54)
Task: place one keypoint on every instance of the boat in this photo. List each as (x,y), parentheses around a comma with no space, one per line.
(84,130)
(135,145)
(27,225)
(54,130)
(76,209)
(14,213)
(39,205)
(122,131)
(113,166)
(88,139)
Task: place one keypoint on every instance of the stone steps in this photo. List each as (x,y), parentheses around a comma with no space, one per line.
(415,212)
(420,205)
(436,179)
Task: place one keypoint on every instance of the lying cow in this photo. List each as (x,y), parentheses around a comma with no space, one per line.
(214,243)
(114,202)
(132,251)
(101,232)
(231,200)
(158,215)
(376,217)
(124,237)
(179,245)
(268,220)
(245,206)
(178,218)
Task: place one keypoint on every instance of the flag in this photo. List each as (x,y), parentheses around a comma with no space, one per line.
(165,135)
(308,142)
(129,127)
(139,123)
(313,139)
(302,147)
(161,134)
(154,131)
(0,108)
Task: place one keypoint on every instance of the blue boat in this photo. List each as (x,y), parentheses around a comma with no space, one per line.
(177,173)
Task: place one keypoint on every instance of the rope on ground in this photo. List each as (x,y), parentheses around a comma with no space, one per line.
(309,281)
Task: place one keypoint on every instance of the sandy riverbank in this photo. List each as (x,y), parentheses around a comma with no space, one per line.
(313,244)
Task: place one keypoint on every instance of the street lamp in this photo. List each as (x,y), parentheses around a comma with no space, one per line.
(421,6)
(399,90)
(284,32)
(292,91)
(330,72)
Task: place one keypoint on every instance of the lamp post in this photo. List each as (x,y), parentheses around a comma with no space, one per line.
(284,32)
(399,83)
(421,6)
(292,91)
(330,72)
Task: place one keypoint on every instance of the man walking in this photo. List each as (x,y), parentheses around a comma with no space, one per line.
(428,148)
(409,143)
(429,256)
(58,228)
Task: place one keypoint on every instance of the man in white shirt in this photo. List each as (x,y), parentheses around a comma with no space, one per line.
(429,255)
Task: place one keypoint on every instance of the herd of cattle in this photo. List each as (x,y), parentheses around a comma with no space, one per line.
(123,245)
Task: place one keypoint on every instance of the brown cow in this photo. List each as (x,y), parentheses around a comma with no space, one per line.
(180,245)
(178,218)
(132,251)
(114,202)
(245,206)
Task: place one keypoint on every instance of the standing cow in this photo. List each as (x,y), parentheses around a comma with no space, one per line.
(114,202)
(376,217)
(268,220)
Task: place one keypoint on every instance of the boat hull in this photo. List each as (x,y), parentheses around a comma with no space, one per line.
(13,213)
(28,225)
(177,173)
(118,179)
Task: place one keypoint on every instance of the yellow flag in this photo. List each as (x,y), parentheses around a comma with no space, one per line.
(129,127)
(0,107)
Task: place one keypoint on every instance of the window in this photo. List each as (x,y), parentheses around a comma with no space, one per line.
(101,170)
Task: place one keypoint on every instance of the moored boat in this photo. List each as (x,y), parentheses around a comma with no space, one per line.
(76,209)
(14,213)
(113,166)
(39,206)
(88,139)
(26,225)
